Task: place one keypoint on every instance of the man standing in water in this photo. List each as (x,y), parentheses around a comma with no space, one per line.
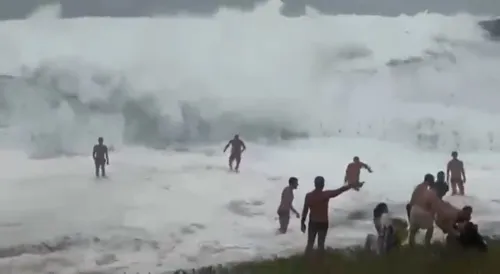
(286,204)
(353,171)
(440,185)
(237,148)
(420,210)
(316,202)
(455,174)
(100,155)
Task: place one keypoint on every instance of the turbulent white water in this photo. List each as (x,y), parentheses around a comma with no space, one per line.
(423,82)
(160,81)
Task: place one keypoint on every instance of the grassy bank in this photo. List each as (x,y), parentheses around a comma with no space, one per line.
(434,260)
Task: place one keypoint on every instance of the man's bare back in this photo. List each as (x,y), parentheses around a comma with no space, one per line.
(101,157)
(449,216)
(237,148)
(421,210)
(421,196)
(455,174)
(100,151)
(316,203)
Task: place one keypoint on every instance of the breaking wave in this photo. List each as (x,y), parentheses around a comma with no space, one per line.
(423,80)
(60,109)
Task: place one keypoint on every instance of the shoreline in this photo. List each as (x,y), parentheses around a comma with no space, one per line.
(436,259)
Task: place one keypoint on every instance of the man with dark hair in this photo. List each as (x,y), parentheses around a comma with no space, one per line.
(459,229)
(470,238)
(353,170)
(390,231)
(237,147)
(440,186)
(455,174)
(316,202)
(286,204)
(420,210)
(101,158)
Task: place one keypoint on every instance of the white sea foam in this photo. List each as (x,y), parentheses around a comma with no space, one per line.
(410,88)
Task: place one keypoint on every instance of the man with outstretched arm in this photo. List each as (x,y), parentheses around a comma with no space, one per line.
(100,155)
(353,170)
(316,203)
(286,204)
(455,174)
(237,148)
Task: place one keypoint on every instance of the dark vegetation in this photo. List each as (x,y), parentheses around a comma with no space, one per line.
(434,260)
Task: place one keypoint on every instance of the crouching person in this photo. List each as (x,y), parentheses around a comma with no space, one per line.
(466,234)
(469,238)
(391,232)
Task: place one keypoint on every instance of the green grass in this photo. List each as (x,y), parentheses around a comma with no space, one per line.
(419,260)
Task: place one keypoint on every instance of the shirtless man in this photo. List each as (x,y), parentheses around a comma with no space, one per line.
(420,210)
(353,171)
(450,219)
(316,202)
(286,204)
(237,148)
(100,155)
(455,174)
(457,226)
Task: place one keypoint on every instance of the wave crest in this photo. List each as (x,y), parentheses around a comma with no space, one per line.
(64,106)
(153,85)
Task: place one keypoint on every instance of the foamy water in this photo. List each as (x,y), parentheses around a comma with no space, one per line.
(399,92)
(162,211)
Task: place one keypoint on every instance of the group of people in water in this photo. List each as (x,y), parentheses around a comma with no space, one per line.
(101,156)
(425,208)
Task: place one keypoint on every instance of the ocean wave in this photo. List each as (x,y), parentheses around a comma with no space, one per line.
(423,80)
(60,116)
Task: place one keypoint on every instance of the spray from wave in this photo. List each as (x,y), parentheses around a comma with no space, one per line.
(424,80)
(73,104)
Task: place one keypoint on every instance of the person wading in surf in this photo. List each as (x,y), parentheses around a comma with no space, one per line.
(316,202)
(440,185)
(237,148)
(286,204)
(353,171)
(455,174)
(101,158)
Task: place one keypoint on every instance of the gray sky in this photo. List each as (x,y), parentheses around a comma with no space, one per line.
(17,9)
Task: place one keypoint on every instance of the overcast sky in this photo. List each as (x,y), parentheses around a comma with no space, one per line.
(17,9)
